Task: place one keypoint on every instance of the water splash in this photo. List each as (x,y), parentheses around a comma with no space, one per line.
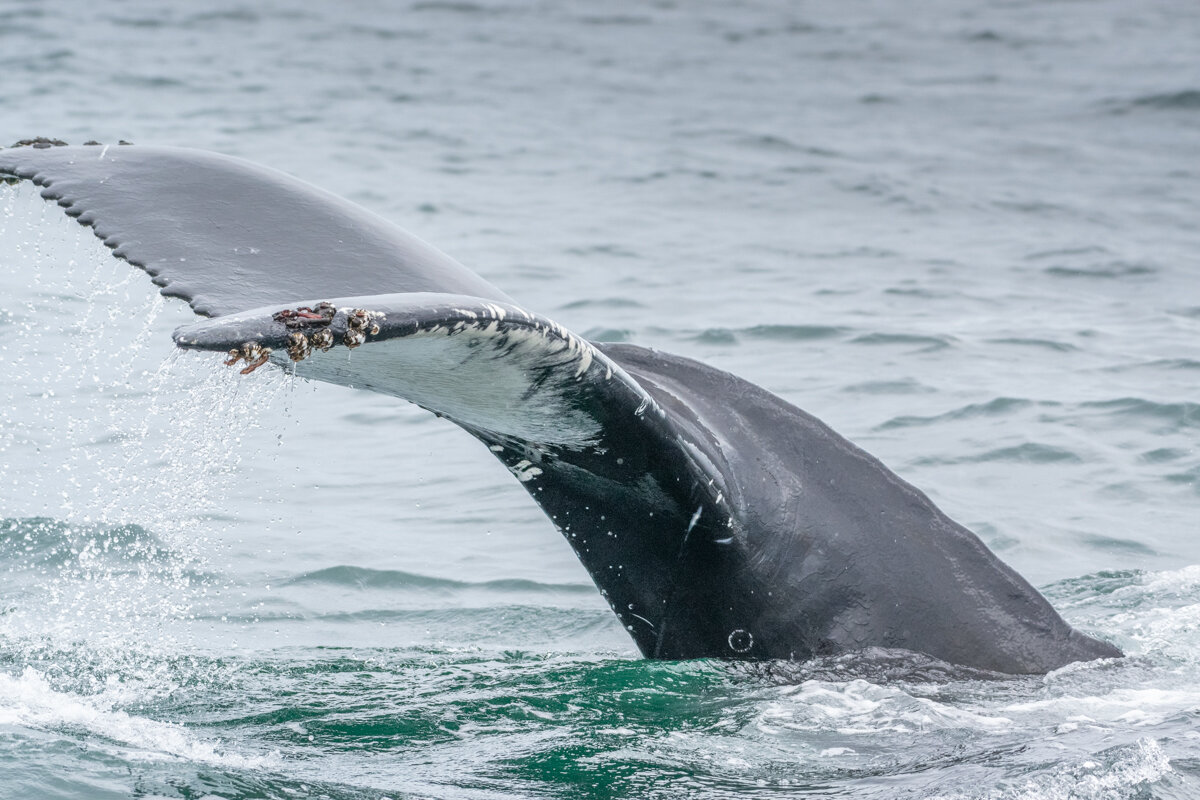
(114,451)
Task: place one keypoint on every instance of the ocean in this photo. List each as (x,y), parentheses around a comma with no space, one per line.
(964,234)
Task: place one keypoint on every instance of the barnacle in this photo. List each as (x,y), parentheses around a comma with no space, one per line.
(298,346)
(253,353)
(359,323)
(322,339)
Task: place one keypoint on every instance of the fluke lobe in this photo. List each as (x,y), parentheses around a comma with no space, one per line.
(717,519)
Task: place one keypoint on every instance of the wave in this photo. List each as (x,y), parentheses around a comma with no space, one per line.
(903,386)
(1001,406)
(1155,364)
(602,302)
(1166,417)
(29,701)
(44,540)
(1117,546)
(1122,771)
(31,544)
(1089,587)
(1108,271)
(924,343)
(367,578)
(1024,453)
(608,335)
(1183,100)
(1045,344)
(780,333)
(457,7)
(1153,616)
(506,621)
(1178,416)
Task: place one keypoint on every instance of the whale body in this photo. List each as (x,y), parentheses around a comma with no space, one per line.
(717,519)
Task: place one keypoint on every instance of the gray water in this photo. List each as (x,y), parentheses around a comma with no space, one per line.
(963,234)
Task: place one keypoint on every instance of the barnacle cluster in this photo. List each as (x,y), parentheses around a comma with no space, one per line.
(300,343)
(310,328)
(359,323)
(40,142)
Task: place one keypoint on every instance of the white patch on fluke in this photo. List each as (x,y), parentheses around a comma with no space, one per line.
(494,368)
(525,471)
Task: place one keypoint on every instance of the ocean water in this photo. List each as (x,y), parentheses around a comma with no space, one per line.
(963,234)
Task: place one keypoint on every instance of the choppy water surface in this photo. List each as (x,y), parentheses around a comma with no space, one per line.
(964,234)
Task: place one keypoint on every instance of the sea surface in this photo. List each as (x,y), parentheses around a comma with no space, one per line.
(965,234)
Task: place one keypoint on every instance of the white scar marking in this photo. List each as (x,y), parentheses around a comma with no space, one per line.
(525,471)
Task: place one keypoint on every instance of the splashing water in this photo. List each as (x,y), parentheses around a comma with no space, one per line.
(114,451)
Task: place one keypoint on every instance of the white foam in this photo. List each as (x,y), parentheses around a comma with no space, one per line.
(1179,581)
(1142,763)
(861,707)
(29,701)
(1124,708)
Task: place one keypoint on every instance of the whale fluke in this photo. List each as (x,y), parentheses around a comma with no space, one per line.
(717,519)
(226,235)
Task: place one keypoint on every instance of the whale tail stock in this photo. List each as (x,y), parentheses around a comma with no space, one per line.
(717,519)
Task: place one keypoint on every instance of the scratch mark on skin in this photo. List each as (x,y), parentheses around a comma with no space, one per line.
(662,631)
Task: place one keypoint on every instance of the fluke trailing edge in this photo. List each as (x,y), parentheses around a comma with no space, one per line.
(717,519)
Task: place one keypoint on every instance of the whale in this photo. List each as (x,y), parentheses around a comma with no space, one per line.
(716,519)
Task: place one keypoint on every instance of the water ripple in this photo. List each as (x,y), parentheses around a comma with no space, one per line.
(366,578)
(779,333)
(1001,406)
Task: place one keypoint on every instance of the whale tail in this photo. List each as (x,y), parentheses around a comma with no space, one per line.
(717,519)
